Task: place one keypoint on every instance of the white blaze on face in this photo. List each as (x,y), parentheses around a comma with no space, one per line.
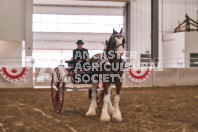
(120,49)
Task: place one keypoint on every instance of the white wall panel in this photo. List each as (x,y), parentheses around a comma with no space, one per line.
(56,45)
(12,20)
(91,37)
(173,50)
(191,45)
(11,53)
(188,77)
(16,22)
(167,77)
(177,48)
(93,40)
(78,10)
(141,26)
(68,40)
(80,3)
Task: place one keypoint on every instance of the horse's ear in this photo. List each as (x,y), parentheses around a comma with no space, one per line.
(114,32)
(121,31)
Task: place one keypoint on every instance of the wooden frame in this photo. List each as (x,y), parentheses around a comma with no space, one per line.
(185,26)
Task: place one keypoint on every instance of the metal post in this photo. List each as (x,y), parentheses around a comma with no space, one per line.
(127,23)
(154,29)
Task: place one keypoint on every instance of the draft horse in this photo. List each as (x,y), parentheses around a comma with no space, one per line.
(115,46)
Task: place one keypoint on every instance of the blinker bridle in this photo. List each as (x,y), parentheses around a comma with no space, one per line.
(113,41)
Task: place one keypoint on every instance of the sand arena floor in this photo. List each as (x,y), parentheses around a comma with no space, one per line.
(167,109)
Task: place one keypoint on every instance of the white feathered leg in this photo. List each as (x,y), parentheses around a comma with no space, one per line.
(117,114)
(93,105)
(110,106)
(105,115)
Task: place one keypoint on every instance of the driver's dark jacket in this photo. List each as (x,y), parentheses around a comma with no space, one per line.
(82,54)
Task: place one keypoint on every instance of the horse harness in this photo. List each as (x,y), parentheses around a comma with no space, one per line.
(112,39)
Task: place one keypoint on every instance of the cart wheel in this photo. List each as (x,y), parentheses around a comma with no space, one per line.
(99,95)
(57,90)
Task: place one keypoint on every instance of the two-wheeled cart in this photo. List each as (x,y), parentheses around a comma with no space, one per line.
(60,75)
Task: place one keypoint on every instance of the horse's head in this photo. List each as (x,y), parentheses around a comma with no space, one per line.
(116,42)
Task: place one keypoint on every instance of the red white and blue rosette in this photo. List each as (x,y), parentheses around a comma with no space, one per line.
(138,75)
(14,74)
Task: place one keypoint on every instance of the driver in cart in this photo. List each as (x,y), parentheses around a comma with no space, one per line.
(80,55)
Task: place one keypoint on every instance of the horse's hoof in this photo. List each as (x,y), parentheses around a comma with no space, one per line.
(117,116)
(105,117)
(90,113)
